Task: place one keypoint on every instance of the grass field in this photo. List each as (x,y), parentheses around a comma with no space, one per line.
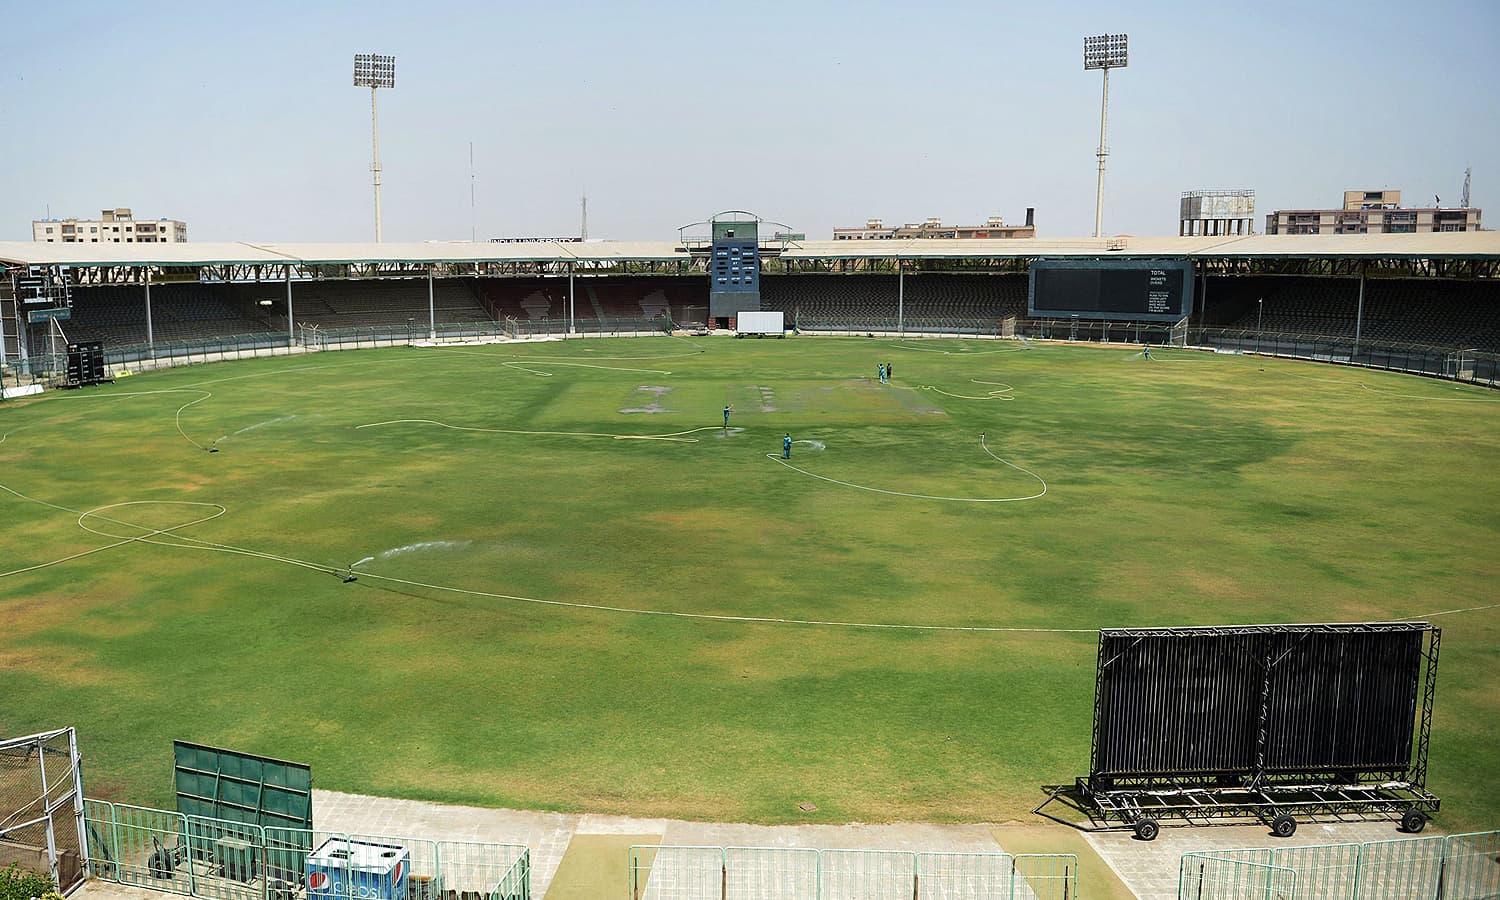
(1191,489)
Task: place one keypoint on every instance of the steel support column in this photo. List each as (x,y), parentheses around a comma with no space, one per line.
(1359,312)
(431,309)
(900,298)
(572,322)
(150,334)
(291,327)
(15,305)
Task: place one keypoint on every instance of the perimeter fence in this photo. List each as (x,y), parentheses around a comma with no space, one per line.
(781,873)
(1470,365)
(41,806)
(1456,867)
(218,859)
(49,368)
(1467,364)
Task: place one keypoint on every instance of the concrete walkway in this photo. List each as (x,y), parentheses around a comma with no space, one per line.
(548,834)
(1150,870)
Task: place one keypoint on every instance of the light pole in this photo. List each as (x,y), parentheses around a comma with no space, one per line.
(373,71)
(1105,51)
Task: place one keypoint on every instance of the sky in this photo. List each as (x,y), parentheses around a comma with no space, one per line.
(242,119)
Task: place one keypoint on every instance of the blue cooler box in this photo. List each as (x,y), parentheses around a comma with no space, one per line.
(341,870)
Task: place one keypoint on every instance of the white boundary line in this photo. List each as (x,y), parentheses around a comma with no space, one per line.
(1005,392)
(676,436)
(876,490)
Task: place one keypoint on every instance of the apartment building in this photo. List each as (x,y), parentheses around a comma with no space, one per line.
(1373,212)
(114,226)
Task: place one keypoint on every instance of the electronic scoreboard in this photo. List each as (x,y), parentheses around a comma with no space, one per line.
(1153,290)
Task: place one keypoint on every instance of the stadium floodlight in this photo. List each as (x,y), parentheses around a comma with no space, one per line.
(1104,51)
(374,71)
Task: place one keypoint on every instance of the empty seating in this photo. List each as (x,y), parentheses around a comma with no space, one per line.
(1433,312)
(1399,311)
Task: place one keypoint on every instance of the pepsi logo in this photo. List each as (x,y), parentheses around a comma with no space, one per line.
(317,881)
(400,866)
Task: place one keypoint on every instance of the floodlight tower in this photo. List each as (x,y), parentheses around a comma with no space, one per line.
(1106,51)
(374,72)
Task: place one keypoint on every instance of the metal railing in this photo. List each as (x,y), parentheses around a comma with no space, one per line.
(781,873)
(1456,867)
(1469,365)
(50,368)
(220,859)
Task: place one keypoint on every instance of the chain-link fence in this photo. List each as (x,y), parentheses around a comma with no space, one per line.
(41,806)
(218,859)
(781,873)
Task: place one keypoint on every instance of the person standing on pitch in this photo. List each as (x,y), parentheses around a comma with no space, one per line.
(786,446)
(890,371)
(728,408)
(880,371)
(1148,353)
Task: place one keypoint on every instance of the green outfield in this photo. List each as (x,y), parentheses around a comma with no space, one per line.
(553,613)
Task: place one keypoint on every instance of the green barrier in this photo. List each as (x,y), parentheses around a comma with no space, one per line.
(676,873)
(941,876)
(1217,877)
(1471,865)
(751,873)
(777,873)
(866,875)
(1400,869)
(99,832)
(1456,867)
(1037,876)
(220,859)
(1327,870)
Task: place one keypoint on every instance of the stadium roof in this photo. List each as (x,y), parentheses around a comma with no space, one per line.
(1459,245)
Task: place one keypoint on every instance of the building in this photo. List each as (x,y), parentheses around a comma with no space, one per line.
(993,227)
(1216,213)
(1372,212)
(114,226)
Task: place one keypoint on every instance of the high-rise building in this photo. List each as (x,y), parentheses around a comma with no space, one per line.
(1373,212)
(114,226)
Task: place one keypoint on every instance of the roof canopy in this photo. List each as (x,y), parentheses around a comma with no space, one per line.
(1459,245)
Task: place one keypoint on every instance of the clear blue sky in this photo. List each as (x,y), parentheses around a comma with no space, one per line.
(241,118)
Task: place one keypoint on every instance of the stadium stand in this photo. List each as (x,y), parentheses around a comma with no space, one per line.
(1400,311)
(812,301)
(932,302)
(595,297)
(346,304)
(1430,312)
(117,315)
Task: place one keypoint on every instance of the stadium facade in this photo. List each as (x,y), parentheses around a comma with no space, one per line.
(1332,295)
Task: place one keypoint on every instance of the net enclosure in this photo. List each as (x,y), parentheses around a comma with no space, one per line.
(1265,721)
